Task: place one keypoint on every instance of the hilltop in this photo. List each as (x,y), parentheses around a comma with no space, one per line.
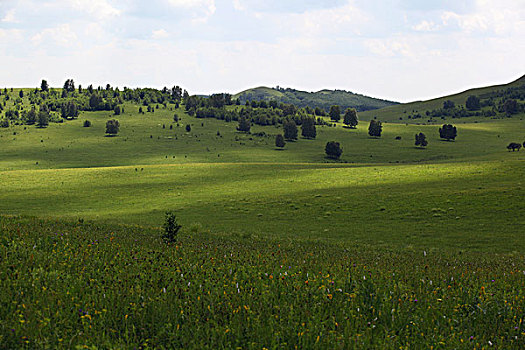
(322,99)
(491,99)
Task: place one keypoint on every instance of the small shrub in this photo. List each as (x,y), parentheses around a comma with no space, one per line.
(171,227)
(87,123)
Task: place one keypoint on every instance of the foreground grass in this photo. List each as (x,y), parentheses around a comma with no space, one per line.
(65,285)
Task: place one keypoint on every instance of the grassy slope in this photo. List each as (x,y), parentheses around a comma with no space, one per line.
(393,113)
(240,183)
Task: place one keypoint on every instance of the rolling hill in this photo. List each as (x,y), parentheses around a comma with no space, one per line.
(322,99)
(490,96)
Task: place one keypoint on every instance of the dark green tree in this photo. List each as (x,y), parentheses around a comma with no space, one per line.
(290,130)
(188,127)
(421,140)
(448,132)
(335,113)
(375,128)
(95,102)
(171,228)
(350,118)
(472,103)
(21,93)
(333,150)
(244,125)
(69,85)
(30,117)
(44,85)
(42,120)
(308,129)
(510,106)
(116,110)
(87,123)
(112,127)
(448,104)
(279,141)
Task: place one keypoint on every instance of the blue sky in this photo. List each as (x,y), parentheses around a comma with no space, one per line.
(400,49)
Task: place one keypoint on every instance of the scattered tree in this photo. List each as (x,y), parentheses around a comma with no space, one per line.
(188,127)
(112,127)
(350,118)
(171,228)
(448,104)
(510,106)
(448,132)
(116,110)
(421,140)
(290,130)
(335,113)
(69,85)
(21,93)
(279,141)
(244,125)
(514,146)
(472,103)
(87,123)
(42,119)
(44,86)
(333,150)
(308,128)
(30,117)
(375,128)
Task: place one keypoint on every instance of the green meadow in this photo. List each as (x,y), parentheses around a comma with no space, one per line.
(278,248)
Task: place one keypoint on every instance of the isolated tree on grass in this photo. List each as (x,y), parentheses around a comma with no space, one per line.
(171,228)
(333,150)
(375,128)
(290,130)
(421,140)
(279,141)
(188,127)
(112,127)
(514,146)
(448,132)
(335,113)
(244,125)
(350,118)
(308,128)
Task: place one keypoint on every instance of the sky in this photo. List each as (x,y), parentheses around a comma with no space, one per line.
(402,50)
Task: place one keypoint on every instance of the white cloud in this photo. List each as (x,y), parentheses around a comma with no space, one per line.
(159,34)
(61,35)
(99,9)
(426,26)
(10,17)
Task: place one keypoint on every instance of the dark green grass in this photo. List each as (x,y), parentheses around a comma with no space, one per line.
(94,286)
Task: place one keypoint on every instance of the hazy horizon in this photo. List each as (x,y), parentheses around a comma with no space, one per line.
(402,51)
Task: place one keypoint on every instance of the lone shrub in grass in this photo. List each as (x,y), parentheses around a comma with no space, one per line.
(279,141)
(448,132)
(421,140)
(171,227)
(514,146)
(333,150)
(188,128)
(87,123)
(112,127)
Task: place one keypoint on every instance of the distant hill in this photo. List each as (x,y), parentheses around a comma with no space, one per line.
(322,99)
(491,98)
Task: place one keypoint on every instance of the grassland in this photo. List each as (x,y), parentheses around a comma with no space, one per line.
(279,248)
